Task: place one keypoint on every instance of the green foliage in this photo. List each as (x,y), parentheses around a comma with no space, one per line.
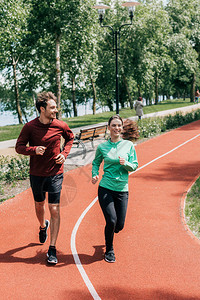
(151,127)
(13,16)
(14,168)
(174,121)
(159,54)
(192,208)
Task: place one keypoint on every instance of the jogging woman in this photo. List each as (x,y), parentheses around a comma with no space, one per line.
(119,158)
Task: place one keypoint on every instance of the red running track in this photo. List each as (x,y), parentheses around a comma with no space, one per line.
(157,256)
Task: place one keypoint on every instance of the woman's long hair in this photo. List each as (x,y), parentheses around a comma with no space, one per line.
(130,130)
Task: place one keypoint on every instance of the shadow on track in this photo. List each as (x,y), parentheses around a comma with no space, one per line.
(40,256)
(173,172)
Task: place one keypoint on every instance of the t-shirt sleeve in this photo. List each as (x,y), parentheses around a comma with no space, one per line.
(21,146)
(132,163)
(96,162)
(69,138)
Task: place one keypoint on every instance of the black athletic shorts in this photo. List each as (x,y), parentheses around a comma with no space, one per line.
(51,184)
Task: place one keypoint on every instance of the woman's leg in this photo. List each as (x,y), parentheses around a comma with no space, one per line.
(121,202)
(106,202)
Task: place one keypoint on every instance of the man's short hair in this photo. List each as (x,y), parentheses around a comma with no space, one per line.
(42,99)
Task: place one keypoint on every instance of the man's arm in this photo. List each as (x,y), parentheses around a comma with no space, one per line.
(69,138)
(22,141)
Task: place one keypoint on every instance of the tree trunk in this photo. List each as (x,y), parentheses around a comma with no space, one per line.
(156,88)
(121,101)
(34,101)
(58,85)
(74,97)
(18,108)
(85,102)
(139,90)
(25,115)
(192,90)
(127,90)
(94,95)
(109,102)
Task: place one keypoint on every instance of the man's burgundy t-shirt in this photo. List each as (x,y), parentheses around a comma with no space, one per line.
(34,133)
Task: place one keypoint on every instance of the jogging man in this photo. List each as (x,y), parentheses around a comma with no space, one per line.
(43,136)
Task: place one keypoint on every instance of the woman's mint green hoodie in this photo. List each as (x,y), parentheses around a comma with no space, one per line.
(115,176)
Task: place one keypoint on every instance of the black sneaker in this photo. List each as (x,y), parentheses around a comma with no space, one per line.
(51,256)
(110,256)
(43,232)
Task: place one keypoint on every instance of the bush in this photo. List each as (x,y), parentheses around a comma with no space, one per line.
(192,208)
(14,168)
(197,115)
(150,127)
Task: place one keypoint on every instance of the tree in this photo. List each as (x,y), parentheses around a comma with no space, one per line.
(13,18)
(49,20)
(185,58)
(147,50)
(80,53)
(185,21)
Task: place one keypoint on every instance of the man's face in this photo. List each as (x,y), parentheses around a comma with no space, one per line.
(51,109)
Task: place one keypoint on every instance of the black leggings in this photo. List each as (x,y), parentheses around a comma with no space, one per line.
(114,207)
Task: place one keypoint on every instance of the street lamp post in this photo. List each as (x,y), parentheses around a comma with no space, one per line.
(116,35)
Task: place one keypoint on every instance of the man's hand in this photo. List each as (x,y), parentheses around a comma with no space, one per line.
(40,150)
(95,179)
(60,159)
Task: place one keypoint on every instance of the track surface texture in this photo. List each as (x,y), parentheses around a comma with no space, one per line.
(157,257)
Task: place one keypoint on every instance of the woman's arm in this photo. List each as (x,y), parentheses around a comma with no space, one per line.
(96,164)
(132,163)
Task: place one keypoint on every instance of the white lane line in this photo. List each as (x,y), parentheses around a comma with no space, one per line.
(76,257)
(157,158)
(86,279)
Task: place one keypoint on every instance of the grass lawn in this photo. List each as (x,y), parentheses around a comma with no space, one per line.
(9,132)
(12,131)
(125,113)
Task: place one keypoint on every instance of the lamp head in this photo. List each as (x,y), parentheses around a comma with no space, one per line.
(101,8)
(131,7)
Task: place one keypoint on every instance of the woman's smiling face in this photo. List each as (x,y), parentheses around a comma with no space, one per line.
(115,129)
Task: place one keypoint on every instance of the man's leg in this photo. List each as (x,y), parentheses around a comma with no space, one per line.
(54,191)
(54,222)
(40,212)
(44,224)
(54,208)
(37,184)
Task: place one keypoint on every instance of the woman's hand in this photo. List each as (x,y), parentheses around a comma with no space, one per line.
(95,179)
(121,160)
